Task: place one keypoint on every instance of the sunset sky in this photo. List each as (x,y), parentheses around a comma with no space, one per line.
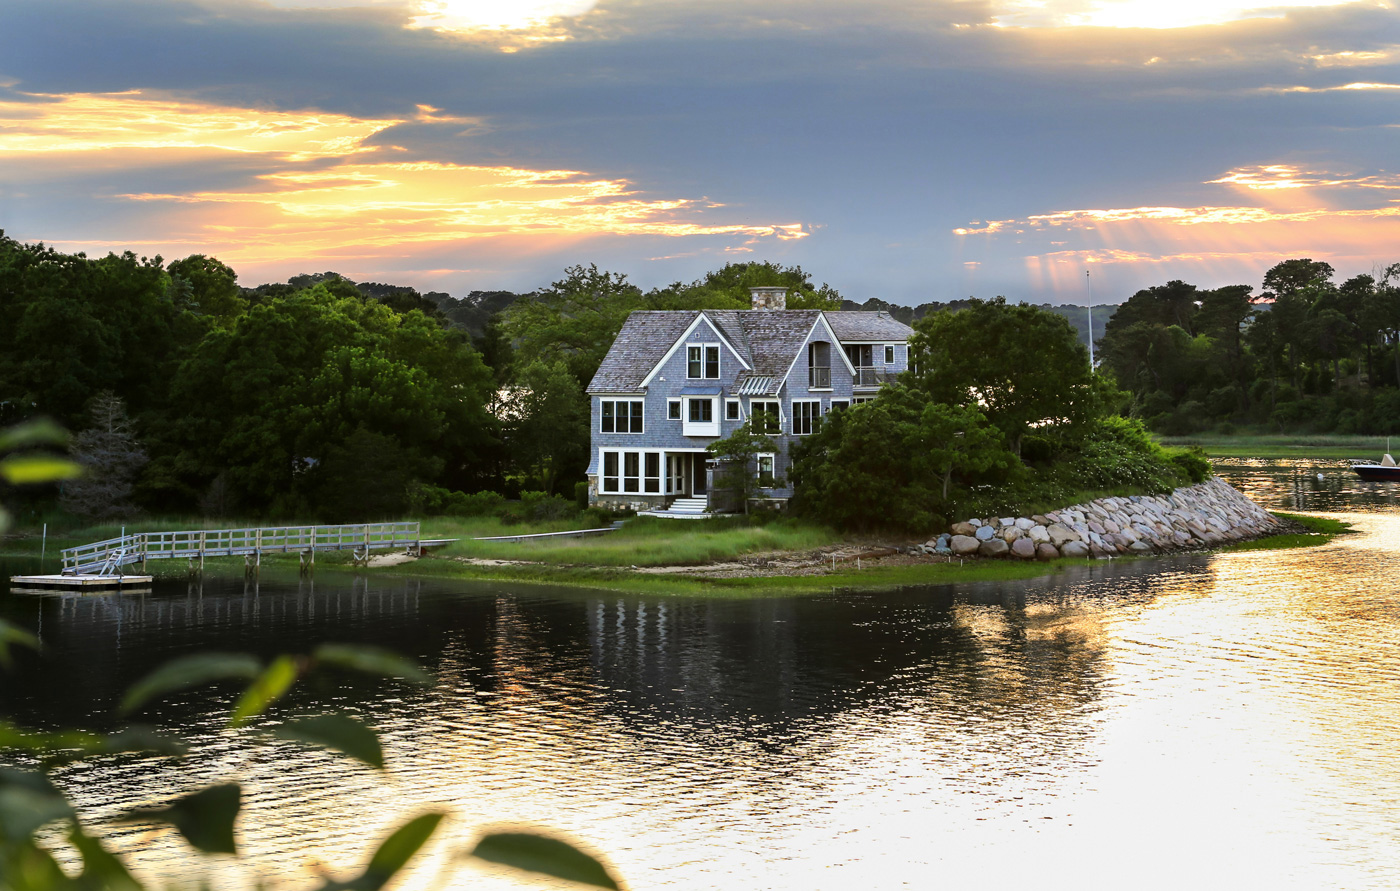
(911,151)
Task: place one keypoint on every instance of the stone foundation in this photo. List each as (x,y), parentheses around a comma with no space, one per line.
(1204,515)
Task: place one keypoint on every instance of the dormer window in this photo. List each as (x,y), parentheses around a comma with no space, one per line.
(702,361)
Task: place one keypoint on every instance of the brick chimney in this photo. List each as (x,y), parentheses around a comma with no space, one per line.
(770,297)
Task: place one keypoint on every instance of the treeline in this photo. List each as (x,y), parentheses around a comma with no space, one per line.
(1305,355)
(317,397)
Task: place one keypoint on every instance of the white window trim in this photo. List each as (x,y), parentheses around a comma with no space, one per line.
(615,400)
(782,420)
(891,357)
(758,466)
(641,472)
(719,360)
(701,428)
(813,416)
(738,410)
(680,410)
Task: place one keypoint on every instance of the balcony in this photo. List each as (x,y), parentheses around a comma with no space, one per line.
(819,377)
(868,377)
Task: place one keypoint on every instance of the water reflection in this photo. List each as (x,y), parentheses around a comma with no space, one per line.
(1199,720)
(1307,484)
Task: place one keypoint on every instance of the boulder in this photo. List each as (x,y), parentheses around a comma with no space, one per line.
(1074,549)
(993,547)
(1059,534)
(1046,551)
(985,533)
(964,529)
(974,522)
(1140,547)
(1010,534)
(963,545)
(1024,523)
(1006,521)
(1038,534)
(1023,548)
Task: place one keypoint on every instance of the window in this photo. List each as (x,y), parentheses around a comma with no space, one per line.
(731,409)
(610,472)
(621,416)
(766,416)
(804,415)
(889,354)
(630,472)
(673,409)
(857,400)
(837,404)
(702,361)
(819,366)
(653,473)
(764,472)
(701,416)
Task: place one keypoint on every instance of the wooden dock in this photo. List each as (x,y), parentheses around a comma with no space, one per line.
(103,563)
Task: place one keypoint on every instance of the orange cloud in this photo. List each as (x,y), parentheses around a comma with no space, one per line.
(354,198)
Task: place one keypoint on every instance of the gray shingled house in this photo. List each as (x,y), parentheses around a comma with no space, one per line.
(674,381)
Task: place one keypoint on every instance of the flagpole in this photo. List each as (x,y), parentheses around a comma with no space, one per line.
(1089,287)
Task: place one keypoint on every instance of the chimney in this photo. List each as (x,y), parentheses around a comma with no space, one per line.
(770,297)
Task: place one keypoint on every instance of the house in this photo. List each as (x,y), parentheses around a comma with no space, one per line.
(675,381)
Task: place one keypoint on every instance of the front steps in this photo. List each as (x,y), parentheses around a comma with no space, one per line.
(681,509)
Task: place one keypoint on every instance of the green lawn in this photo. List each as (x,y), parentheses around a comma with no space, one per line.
(1277,446)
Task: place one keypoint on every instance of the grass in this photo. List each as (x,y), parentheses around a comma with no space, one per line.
(1321,530)
(643,541)
(1318,445)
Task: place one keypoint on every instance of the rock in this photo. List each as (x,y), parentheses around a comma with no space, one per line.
(1140,547)
(1060,534)
(1096,528)
(1024,523)
(1111,527)
(943,551)
(1074,549)
(1038,534)
(1006,521)
(964,544)
(985,533)
(1023,548)
(1039,520)
(1046,551)
(1010,534)
(1099,553)
(964,529)
(974,522)
(993,547)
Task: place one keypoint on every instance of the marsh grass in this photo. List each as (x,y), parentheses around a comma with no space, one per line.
(642,541)
(1321,530)
(1276,446)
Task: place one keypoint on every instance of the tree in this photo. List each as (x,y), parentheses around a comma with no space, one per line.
(894,462)
(548,432)
(728,288)
(575,319)
(207,287)
(737,456)
(1020,365)
(111,458)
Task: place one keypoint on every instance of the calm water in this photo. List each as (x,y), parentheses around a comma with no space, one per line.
(1200,721)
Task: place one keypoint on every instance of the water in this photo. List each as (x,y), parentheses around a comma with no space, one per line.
(1207,721)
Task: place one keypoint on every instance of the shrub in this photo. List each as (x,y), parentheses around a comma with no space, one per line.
(1192,463)
(477,504)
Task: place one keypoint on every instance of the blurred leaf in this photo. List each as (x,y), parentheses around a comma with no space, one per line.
(538,853)
(100,868)
(28,801)
(189,671)
(28,866)
(36,468)
(269,687)
(393,854)
(37,432)
(204,818)
(371,660)
(342,733)
(13,634)
(12,737)
(66,746)
(141,738)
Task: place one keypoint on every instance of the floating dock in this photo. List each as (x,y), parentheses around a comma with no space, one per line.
(81,581)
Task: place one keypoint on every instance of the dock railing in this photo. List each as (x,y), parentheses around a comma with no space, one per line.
(110,556)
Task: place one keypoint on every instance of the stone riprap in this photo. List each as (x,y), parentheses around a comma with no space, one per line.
(1204,515)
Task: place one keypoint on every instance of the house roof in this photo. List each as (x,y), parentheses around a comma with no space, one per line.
(860,327)
(767,340)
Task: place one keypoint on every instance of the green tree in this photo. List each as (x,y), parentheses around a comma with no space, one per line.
(207,287)
(111,458)
(728,288)
(574,320)
(894,462)
(1022,366)
(737,456)
(547,434)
